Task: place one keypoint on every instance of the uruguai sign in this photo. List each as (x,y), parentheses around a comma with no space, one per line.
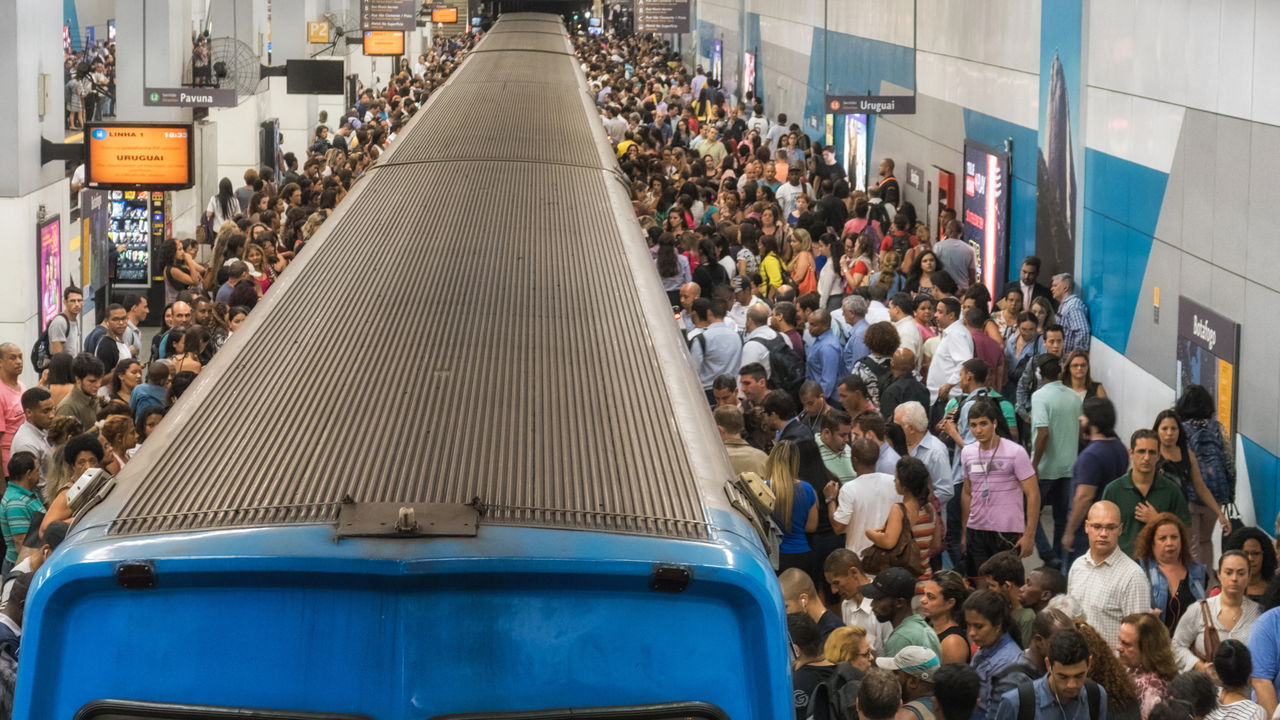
(138,156)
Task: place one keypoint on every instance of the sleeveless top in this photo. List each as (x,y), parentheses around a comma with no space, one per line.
(955,630)
(922,529)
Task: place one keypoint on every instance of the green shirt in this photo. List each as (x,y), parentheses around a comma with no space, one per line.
(1022,619)
(839,465)
(1165,495)
(1056,407)
(81,407)
(17,508)
(912,631)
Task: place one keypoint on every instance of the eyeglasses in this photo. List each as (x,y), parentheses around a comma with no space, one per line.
(870,654)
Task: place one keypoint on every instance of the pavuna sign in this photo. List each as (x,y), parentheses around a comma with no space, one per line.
(189,97)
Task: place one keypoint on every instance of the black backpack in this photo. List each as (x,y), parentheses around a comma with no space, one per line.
(833,698)
(881,369)
(786,370)
(40,351)
(1027,700)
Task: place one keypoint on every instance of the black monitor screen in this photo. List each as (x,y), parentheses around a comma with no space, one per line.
(314,77)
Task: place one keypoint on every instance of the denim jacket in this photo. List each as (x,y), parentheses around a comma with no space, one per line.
(1197,577)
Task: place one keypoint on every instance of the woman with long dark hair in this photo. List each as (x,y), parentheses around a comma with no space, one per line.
(1209,442)
(223,206)
(673,267)
(942,604)
(1179,463)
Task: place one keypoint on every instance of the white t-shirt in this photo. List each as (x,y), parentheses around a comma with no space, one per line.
(864,502)
(1238,710)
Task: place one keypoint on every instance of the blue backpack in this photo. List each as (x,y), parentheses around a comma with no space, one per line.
(1205,441)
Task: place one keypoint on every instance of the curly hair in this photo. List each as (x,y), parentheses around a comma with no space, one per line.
(882,338)
(1143,550)
(1106,670)
(1237,539)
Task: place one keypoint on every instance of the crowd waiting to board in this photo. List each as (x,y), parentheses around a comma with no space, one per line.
(905,430)
(102,394)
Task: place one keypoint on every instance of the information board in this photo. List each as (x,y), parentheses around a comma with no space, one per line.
(49,259)
(1209,356)
(388,15)
(130,156)
(383,42)
(662,16)
(444,15)
(986,211)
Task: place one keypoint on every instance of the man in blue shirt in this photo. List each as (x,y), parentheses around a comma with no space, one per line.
(1264,645)
(823,361)
(1057,695)
(715,348)
(855,316)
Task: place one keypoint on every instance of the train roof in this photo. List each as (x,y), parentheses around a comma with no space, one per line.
(479,320)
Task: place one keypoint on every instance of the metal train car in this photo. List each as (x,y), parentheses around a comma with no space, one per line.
(455,465)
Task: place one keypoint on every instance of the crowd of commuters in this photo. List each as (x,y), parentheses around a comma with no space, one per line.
(911,428)
(89,82)
(101,394)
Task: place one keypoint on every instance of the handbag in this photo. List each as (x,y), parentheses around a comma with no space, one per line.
(904,554)
(1211,638)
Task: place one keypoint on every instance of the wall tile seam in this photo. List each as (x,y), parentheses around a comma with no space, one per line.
(1178,105)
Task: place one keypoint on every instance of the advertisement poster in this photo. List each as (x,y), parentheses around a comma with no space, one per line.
(1209,356)
(749,75)
(49,259)
(855,150)
(986,211)
(717,61)
(1059,162)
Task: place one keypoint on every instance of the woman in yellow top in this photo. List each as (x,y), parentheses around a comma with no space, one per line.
(703,108)
(770,267)
(802,267)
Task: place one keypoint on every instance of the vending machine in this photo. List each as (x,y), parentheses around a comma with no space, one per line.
(135,226)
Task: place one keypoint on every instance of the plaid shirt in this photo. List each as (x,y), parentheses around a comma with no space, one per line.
(1108,591)
(1073,316)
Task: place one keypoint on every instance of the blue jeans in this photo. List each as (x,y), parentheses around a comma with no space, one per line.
(1054,492)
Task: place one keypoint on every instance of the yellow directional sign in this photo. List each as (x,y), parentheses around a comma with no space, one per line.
(318,32)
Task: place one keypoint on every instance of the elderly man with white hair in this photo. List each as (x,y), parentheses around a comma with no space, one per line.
(1073,315)
(914,421)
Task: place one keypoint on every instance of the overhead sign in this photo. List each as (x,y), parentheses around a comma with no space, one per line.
(662,16)
(1208,355)
(189,97)
(383,42)
(444,15)
(318,32)
(388,15)
(872,104)
(138,156)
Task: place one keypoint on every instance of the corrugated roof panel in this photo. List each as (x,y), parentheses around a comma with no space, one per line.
(531,41)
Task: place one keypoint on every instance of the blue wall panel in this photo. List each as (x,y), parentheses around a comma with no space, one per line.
(853,66)
(1122,205)
(1264,476)
(992,132)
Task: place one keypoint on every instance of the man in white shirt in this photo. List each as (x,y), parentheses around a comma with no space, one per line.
(955,347)
(614,125)
(877,311)
(901,314)
(776,132)
(793,188)
(755,346)
(744,298)
(1108,583)
(758,121)
(843,571)
(38,407)
(136,310)
(863,502)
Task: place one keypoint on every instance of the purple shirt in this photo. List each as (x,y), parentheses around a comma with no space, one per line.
(995,485)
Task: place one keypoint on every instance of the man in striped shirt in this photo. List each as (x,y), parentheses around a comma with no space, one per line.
(20,503)
(1073,315)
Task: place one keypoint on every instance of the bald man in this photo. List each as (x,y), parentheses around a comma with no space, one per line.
(903,385)
(688,293)
(823,357)
(11,414)
(800,596)
(1108,583)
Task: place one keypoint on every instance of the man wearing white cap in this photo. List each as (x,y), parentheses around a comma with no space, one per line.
(914,667)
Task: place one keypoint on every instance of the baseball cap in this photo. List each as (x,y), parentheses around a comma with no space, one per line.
(895,582)
(913,659)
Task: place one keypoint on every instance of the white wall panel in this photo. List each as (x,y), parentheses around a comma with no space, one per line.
(1266,63)
(1007,94)
(1137,394)
(1187,77)
(1133,128)
(726,17)
(809,12)
(884,20)
(1235,79)
(998,32)
(795,36)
